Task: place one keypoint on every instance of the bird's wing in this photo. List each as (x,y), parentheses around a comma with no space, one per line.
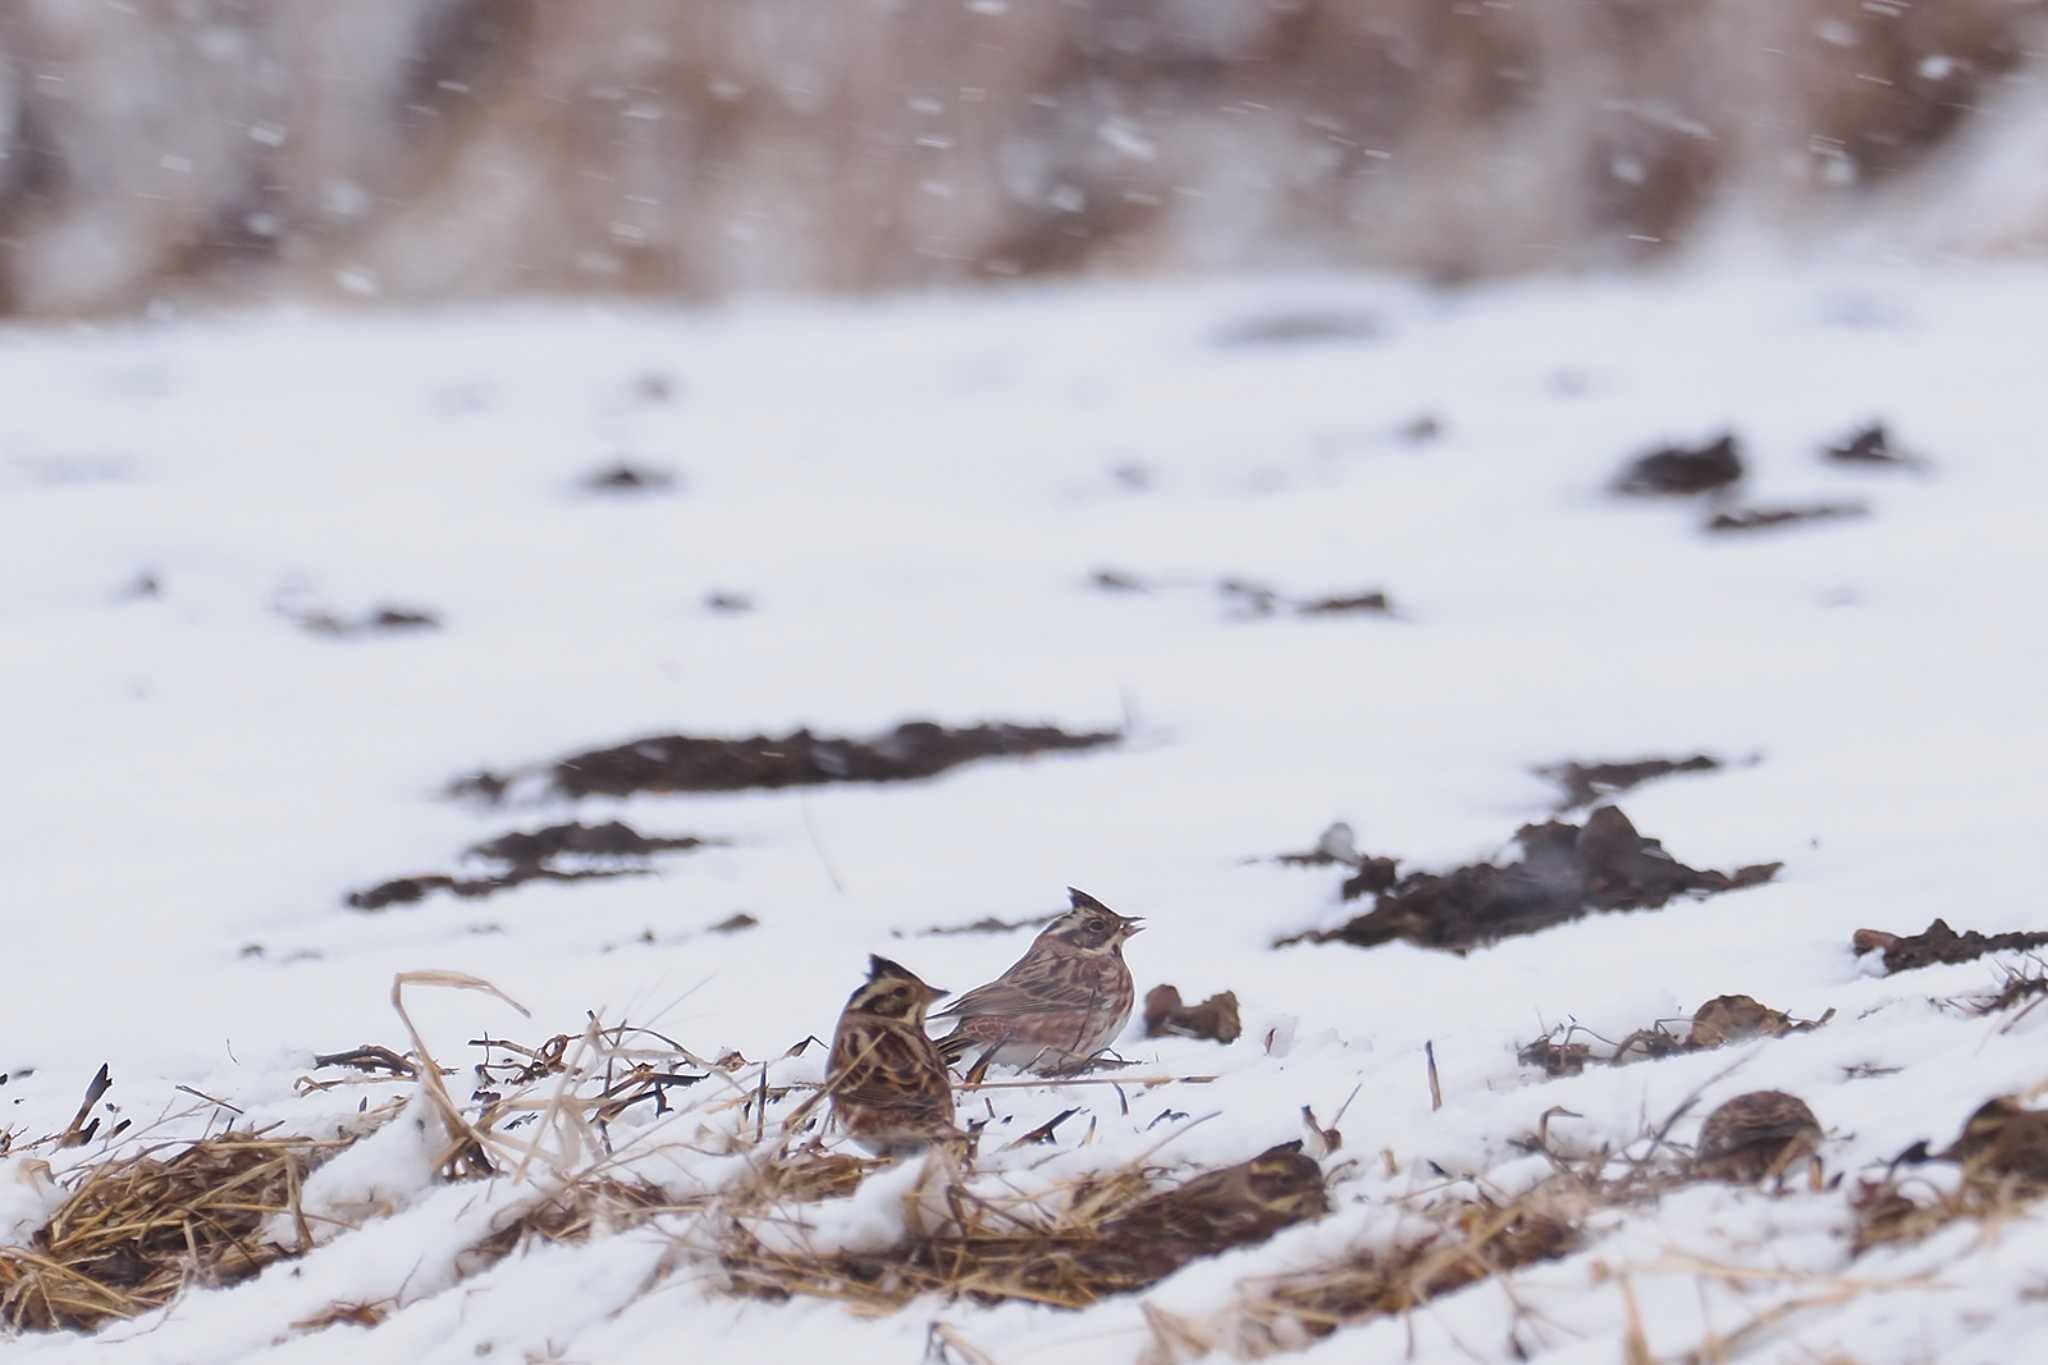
(1034,995)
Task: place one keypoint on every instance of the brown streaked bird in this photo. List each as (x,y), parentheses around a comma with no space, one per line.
(2005,1138)
(889,1088)
(1238,1206)
(1758,1135)
(1059,1004)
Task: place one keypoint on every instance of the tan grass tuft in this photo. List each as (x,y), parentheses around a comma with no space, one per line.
(137,1230)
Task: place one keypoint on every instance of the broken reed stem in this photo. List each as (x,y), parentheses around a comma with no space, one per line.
(462,1135)
(1436,1091)
(1635,1346)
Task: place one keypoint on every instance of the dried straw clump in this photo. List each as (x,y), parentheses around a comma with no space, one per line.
(1724,1019)
(2027,984)
(1068,1247)
(1476,1241)
(137,1230)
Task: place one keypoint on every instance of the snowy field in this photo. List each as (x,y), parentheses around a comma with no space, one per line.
(914,498)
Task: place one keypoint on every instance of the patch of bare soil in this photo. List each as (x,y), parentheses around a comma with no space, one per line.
(532,857)
(1871,447)
(687,763)
(412,890)
(383,620)
(1116,580)
(1420,429)
(1251,600)
(1682,471)
(1585,783)
(1374,602)
(1938,944)
(613,839)
(624,476)
(1772,518)
(1566,871)
(988,924)
(1337,846)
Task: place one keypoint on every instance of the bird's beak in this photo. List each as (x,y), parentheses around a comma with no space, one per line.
(937,992)
(1134,926)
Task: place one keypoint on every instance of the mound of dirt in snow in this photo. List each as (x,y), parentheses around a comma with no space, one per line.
(1566,871)
(688,763)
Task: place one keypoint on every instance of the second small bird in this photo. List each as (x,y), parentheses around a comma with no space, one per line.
(1066,999)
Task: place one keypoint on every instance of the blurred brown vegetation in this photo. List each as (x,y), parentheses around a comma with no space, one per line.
(428,149)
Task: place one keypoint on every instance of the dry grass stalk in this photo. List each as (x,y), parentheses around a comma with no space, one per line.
(1475,1240)
(2029,985)
(138,1227)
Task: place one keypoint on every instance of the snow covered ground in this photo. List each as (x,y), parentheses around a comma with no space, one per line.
(914,495)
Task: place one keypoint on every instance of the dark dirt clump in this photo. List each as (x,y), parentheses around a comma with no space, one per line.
(530,857)
(1254,599)
(656,386)
(988,924)
(1769,518)
(1338,847)
(1682,470)
(412,890)
(1372,876)
(1566,871)
(613,839)
(1344,605)
(729,603)
(386,620)
(687,763)
(1420,430)
(626,477)
(1870,447)
(1167,1017)
(1585,783)
(1938,944)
